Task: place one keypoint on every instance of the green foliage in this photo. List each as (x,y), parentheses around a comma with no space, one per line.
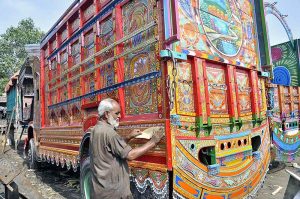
(12,50)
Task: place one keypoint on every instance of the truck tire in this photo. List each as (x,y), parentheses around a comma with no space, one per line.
(31,154)
(85,178)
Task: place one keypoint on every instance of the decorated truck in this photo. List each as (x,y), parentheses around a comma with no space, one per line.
(284,92)
(191,67)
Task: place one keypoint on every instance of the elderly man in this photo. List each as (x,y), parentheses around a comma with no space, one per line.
(110,152)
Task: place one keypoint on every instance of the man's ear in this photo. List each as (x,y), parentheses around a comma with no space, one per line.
(106,114)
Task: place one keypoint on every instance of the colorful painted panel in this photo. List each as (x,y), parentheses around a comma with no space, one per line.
(202,90)
(183,187)
(63,93)
(75,24)
(89,12)
(64,60)
(90,87)
(75,88)
(244,91)
(88,44)
(53,45)
(262,101)
(287,144)
(295,101)
(185,93)
(219,30)
(53,96)
(276,109)
(285,56)
(142,97)
(75,50)
(216,78)
(286,101)
(64,35)
(107,71)
(53,68)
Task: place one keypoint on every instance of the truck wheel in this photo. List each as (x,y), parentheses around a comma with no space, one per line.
(31,154)
(85,178)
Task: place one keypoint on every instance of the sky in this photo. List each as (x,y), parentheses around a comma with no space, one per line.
(43,12)
(46,12)
(277,33)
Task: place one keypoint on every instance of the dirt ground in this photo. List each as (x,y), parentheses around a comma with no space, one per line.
(276,182)
(47,182)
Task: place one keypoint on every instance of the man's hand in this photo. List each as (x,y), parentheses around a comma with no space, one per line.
(158,135)
(141,150)
(135,133)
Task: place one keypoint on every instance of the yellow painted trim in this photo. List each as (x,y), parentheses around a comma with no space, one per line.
(233,151)
(70,152)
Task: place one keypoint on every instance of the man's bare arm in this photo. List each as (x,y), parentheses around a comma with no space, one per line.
(139,151)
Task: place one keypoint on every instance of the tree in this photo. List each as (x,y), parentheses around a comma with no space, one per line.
(12,50)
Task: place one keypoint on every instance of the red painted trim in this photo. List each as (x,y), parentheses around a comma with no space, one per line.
(196,86)
(168,144)
(90,121)
(298,88)
(151,116)
(206,88)
(74,41)
(104,4)
(123,3)
(90,105)
(120,61)
(97,61)
(104,17)
(81,55)
(58,71)
(174,23)
(237,93)
(172,39)
(230,90)
(253,84)
(194,138)
(88,30)
(152,159)
(53,145)
(42,85)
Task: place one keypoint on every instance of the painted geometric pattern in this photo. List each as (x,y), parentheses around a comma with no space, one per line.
(260,94)
(107,71)
(193,170)
(142,97)
(219,28)
(90,86)
(244,91)
(276,108)
(217,90)
(295,100)
(185,93)
(286,100)
(285,55)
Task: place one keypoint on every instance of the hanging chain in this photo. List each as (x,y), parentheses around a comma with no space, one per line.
(171,86)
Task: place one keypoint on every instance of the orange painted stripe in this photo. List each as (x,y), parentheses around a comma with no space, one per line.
(238,194)
(255,180)
(187,188)
(213,197)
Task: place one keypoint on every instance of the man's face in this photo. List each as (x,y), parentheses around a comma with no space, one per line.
(114,115)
